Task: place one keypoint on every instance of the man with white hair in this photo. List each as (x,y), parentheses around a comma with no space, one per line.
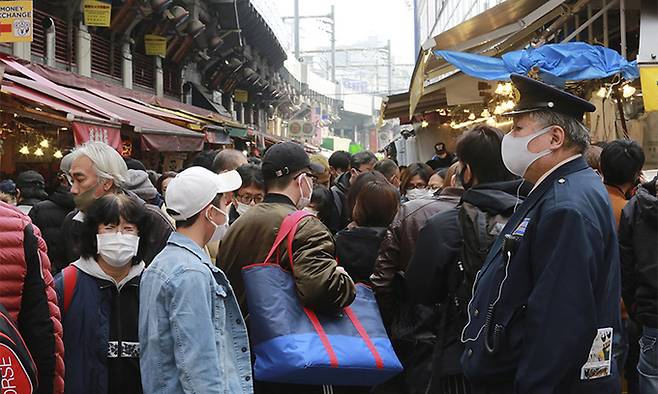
(96,170)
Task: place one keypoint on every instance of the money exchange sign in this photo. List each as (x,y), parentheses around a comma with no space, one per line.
(15,21)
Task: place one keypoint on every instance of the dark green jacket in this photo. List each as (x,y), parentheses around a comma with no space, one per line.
(249,239)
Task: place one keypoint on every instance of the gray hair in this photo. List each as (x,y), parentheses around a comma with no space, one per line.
(576,132)
(228,160)
(108,163)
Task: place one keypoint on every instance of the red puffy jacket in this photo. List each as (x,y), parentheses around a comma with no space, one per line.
(27,292)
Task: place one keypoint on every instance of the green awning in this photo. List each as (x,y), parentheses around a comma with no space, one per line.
(328,143)
(237,132)
(355,148)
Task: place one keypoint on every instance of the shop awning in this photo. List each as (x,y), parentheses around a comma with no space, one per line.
(16,89)
(505,27)
(83,132)
(237,132)
(217,135)
(156,134)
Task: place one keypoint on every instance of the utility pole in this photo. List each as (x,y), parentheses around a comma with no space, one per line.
(332,15)
(297,30)
(390,67)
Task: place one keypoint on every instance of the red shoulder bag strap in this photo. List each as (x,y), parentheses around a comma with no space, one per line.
(288,226)
(70,278)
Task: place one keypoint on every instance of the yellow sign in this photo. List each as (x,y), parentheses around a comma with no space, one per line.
(240,96)
(649,80)
(155,45)
(97,13)
(15,21)
(416,90)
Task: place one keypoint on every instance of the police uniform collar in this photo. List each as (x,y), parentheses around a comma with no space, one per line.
(539,96)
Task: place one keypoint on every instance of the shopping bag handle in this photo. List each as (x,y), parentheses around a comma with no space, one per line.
(288,229)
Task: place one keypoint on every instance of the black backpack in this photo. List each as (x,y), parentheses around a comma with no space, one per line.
(17,368)
(479,231)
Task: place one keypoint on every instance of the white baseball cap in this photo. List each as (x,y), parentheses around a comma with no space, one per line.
(193,189)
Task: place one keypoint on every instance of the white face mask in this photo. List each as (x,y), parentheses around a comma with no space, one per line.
(304,201)
(117,249)
(220,229)
(417,194)
(242,208)
(516,156)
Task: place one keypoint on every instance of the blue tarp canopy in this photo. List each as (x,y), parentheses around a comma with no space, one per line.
(572,61)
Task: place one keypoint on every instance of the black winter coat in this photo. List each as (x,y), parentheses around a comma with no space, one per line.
(49,215)
(438,251)
(638,235)
(357,249)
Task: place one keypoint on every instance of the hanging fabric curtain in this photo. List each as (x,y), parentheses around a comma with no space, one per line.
(573,61)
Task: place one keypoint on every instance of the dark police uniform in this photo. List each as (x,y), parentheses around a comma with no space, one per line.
(546,301)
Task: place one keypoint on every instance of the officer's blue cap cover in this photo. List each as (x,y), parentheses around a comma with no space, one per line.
(538,96)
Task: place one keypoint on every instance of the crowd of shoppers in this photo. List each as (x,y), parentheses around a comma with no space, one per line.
(496,268)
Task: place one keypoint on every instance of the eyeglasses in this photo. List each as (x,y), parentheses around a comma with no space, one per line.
(421,187)
(248,198)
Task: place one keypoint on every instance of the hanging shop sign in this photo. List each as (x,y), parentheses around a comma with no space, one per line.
(308,129)
(295,128)
(155,45)
(97,13)
(649,80)
(15,21)
(83,132)
(240,96)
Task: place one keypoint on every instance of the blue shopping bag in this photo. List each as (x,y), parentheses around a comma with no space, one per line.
(293,344)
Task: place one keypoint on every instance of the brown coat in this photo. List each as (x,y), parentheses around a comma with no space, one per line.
(400,242)
(319,285)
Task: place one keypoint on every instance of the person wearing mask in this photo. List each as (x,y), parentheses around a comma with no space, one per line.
(48,215)
(339,163)
(31,190)
(96,170)
(228,160)
(390,170)
(28,294)
(359,163)
(442,158)
(102,349)
(400,242)
(447,243)
(250,193)
(437,180)
(192,335)
(321,284)
(414,182)
(550,284)
(638,231)
(375,207)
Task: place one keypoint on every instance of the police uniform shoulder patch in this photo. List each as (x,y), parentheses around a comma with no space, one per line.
(520,230)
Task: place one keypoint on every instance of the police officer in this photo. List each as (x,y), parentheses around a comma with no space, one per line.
(546,302)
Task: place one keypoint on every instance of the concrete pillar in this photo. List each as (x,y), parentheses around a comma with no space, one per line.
(83,52)
(50,46)
(127,66)
(22,50)
(239,112)
(159,77)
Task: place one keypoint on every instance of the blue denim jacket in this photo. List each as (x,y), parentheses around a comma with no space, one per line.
(192,335)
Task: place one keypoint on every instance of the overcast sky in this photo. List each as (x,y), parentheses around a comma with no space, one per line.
(356,21)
